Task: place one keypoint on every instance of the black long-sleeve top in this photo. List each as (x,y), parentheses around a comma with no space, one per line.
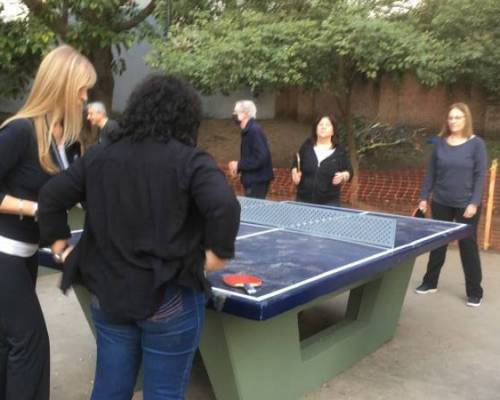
(22,176)
(152,210)
(255,163)
(316,183)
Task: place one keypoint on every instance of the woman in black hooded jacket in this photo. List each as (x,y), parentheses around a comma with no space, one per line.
(322,165)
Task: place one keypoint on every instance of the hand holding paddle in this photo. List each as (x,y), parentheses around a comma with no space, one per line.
(418,213)
(232,166)
(296,172)
(245,281)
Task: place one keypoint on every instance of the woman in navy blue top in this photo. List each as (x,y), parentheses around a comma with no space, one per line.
(455,177)
(322,165)
(39,141)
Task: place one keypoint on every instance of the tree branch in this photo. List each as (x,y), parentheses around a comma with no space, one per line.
(137,19)
(54,21)
(35,6)
(367,148)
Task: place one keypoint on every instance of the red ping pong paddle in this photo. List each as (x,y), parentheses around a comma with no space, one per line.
(245,281)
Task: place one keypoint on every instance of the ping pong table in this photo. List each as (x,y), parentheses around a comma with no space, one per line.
(306,254)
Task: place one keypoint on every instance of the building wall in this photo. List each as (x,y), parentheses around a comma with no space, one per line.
(406,102)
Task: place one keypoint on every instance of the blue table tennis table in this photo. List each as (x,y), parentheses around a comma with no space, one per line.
(306,254)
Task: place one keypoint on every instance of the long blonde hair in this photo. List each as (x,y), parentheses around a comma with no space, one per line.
(468,128)
(62,74)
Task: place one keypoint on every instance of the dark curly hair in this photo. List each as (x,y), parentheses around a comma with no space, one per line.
(314,135)
(161,107)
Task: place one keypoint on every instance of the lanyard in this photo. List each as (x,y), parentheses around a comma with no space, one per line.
(54,149)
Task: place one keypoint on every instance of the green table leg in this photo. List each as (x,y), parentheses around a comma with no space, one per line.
(266,360)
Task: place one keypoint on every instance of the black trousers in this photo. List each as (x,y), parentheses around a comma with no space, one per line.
(24,341)
(469,251)
(257,190)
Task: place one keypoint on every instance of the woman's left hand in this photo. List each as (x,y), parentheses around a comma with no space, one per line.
(338,178)
(470,211)
(62,249)
(59,246)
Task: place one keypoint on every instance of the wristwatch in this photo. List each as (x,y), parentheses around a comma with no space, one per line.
(58,257)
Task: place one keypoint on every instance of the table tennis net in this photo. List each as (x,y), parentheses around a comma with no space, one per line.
(320,221)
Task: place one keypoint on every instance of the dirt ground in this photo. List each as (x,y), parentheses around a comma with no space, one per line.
(221,138)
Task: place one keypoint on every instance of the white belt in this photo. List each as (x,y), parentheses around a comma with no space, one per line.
(17,248)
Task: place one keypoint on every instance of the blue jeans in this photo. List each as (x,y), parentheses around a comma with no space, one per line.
(165,343)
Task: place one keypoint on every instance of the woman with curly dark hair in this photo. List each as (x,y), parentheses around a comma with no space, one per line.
(159,214)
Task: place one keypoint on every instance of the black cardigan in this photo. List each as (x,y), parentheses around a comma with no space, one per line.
(152,210)
(316,183)
(22,176)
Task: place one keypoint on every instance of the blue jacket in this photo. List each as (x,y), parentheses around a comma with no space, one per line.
(255,163)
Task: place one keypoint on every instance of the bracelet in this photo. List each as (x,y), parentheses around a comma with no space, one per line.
(35,212)
(20,209)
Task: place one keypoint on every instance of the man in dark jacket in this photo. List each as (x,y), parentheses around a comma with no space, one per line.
(97,116)
(255,165)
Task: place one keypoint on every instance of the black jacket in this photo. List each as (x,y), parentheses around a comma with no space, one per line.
(316,183)
(152,210)
(107,130)
(255,163)
(22,176)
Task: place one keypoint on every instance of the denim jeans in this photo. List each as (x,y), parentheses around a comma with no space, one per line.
(165,343)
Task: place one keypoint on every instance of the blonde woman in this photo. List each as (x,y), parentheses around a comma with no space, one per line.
(455,178)
(36,143)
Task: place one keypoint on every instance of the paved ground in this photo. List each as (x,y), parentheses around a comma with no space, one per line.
(442,349)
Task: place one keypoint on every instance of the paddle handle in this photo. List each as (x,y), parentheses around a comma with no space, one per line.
(249,288)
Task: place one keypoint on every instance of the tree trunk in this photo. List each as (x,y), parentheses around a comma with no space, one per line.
(353,151)
(102,58)
(343,82)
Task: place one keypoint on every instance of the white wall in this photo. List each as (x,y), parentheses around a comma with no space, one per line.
(216,106)
(136,70)
(220,106)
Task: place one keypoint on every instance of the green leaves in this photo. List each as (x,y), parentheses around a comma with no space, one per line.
(92,26)
(467,36)
(247,47)
(22,43)
(238,49)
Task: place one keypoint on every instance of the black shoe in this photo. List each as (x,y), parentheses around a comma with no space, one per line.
(425,288)
(473,301)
